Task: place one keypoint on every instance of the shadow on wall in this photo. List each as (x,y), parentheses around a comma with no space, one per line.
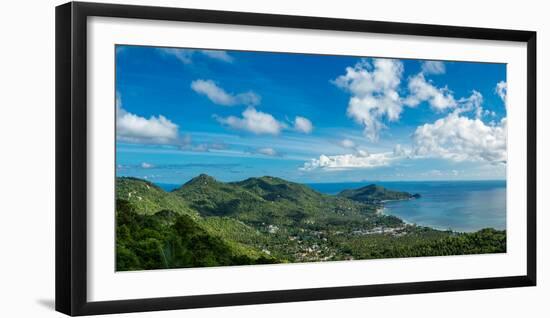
(48,303)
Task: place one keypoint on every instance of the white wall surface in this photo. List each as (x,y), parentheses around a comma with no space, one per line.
(27,158)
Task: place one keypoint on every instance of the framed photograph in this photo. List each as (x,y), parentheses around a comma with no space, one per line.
(208,158)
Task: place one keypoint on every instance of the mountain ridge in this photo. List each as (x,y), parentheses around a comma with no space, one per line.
(266,200)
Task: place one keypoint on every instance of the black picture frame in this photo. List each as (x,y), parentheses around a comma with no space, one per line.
(71,157)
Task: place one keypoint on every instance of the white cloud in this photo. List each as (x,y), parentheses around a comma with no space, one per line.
(186,55)
(460,138)
(267,151)
(249,98)
(362,153)
(374,89)
(146,165)
(183,55)
(219,96)
(254,121)
(472,103)
(347,143)
(218,55)
(302,124)
(216,94)
(374,93)
(502,91)
(360,160)
(433,67)
(400,151)
(350,144)
(422,90)
(136,129)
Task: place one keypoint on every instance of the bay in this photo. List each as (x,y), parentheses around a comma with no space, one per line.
(463,206)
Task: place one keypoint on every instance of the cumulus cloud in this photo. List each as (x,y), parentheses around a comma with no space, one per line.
(186,55)
(473,103)
(433,67)
(253,121)
(374,93)
(359,160)
(502,90)
(303,125)
(400,151)
(267,151)
(219,96)
(137,129)
(422,90)
(459,138)
(375,100)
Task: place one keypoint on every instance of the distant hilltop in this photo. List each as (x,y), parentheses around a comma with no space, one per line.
(374,194)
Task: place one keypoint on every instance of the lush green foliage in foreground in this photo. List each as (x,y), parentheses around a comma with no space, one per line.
(269,220)
(168,240)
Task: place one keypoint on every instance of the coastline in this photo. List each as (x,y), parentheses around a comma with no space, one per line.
(459,208)
(383,211)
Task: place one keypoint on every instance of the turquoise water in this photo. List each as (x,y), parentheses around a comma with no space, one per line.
(463,206)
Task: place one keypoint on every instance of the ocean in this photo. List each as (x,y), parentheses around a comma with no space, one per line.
(463,206)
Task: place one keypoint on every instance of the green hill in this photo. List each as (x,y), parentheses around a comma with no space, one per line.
(213,198)
(277,189)
(269,200)
(147,198)
(374,193)
(167,239)
(152,206)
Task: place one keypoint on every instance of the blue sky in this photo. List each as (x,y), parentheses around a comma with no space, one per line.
(306,118)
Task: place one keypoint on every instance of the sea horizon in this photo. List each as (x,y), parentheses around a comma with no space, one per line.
(169,186)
